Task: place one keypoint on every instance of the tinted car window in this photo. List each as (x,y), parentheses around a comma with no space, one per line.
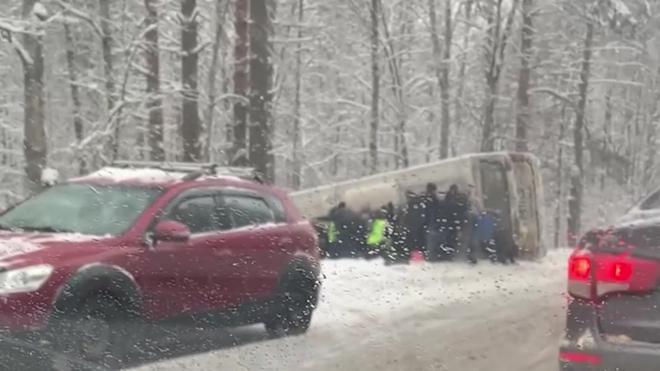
(198,213)
(246,210)
(277,207)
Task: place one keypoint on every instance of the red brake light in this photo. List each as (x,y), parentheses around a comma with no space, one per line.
(575,357)
(621,271)
(579,267)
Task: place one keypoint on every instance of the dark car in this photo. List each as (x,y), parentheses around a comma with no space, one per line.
(613,313)
(85,260)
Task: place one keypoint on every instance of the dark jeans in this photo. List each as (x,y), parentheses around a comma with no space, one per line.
(344,249)
(436,246)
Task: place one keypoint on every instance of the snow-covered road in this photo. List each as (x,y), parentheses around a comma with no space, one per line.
(417,317)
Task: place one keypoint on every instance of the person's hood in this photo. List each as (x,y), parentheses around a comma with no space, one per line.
(26,248)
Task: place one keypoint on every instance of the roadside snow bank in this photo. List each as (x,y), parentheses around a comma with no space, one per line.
(367,292)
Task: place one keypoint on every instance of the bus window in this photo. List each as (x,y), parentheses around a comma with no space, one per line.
(494,188)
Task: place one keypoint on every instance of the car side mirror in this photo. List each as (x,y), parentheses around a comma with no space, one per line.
(170,230)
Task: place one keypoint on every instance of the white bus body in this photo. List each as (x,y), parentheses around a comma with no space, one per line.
(508,182)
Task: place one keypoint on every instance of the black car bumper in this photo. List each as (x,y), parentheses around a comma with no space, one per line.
(584,348)
(611,357)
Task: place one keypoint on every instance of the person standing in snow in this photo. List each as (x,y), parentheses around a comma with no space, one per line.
(349,228)
(456,204)
(412,228)
(471,232)
(434,223)
(378,238)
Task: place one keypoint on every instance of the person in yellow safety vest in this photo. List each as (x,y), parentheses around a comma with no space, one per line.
(378,236)
(332,232)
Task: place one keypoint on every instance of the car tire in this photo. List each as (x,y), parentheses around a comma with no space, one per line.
(294,307)
(94,334)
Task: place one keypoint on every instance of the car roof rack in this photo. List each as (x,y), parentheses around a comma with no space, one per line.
(193,170)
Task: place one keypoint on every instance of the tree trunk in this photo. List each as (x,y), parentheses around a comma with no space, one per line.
(458,105)
(212,79)
(437,62)
(445,85)
(34,122)
(75,95)
(575,203)
(394,62)
(559,209)
(238,155)
(190,126)
(108,70)
(296,173)
(523,115)
(375,89)
(106,42)
(154,100)
(488,141)
(497,41)
(261,73)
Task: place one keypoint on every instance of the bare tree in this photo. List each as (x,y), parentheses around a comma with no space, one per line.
(446,87)
(375,88)
(497,39)
(394,62)
(458,110)
(35,146)
(296,178)
(190,125)
(154,100)
(523,114)
(75,94)
(238,154)
(261,74)
(577,175)
(106,43)
(441,60)
(220,11)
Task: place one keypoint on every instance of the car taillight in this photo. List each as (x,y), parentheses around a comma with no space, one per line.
(579,357)
(579,273)
(621,271)
(592,275)
(579,267)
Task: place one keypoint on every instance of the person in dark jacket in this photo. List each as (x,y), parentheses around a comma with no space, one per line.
(397,251)
(471,234)
(456,205)
(350,231)
(506,249)
(435,225)
(412,219)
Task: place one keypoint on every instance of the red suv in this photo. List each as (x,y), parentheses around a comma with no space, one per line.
(143,242)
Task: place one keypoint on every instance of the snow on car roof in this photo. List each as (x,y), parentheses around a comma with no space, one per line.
(149,176)
(142,175)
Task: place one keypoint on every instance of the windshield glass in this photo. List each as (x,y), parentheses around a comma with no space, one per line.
(81,208)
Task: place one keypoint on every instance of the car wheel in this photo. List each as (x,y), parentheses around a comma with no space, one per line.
(294,308)
(91,335)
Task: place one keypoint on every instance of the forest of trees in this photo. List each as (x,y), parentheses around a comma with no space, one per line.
(313,91)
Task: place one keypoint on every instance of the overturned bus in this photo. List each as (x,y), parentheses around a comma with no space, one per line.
(504,181)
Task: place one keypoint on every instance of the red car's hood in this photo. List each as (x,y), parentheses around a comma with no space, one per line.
(21,248)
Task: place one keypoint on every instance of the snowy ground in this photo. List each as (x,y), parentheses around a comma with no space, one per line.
(419,317)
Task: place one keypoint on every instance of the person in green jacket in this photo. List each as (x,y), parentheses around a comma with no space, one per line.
(379,234)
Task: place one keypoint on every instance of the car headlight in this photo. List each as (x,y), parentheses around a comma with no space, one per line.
(26,279)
